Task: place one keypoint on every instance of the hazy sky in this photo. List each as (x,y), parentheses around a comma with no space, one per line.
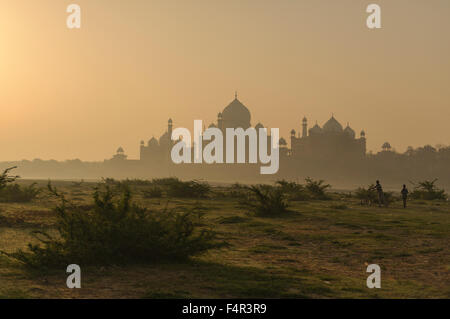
(135,63)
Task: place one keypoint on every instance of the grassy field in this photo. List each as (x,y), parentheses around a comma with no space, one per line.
(319,249)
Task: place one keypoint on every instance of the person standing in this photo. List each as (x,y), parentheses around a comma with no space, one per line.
(380,193)
(404,192)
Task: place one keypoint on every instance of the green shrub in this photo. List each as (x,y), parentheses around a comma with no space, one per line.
(428,190)
(389,198)
(267,201)
(293,190)
(166,181)
(153,192)
(238,191)
(6,179)
(188,189)
(317,188)
(16,193)
(114,230)
(367,196)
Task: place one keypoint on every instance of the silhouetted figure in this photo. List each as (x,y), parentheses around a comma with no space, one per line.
(380,193)
(404,192)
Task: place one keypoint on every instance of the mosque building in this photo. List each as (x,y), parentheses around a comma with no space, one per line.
(326,142)
(331,140)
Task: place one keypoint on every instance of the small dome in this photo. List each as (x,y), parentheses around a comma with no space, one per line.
(212,125)
(386,146)
(349,131)
(120,150)
(316,129)
(305,120)
(219,115)
(332,126)
(164,138)
(170,121)
(153,142)
(363,134)
(292,132)
(282,142)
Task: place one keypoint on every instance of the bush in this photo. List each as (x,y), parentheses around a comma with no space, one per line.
(267,201)
(167,181)
(19,194)
(6,179)
(367,196)
(317,188)
(114,230)
(153,192)
(189,189)
(14,193)
(293,190)
(389,198)
(238,191)
(427,190)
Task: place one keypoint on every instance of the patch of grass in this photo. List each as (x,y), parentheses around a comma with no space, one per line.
(233,220)
(162,294)
(13,294)
(266,248)
(339,206)
(245,282)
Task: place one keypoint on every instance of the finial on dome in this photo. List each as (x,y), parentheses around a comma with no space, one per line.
(235,95)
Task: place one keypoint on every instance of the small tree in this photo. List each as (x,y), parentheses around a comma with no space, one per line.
(6,179)
(317,188)
(428,190)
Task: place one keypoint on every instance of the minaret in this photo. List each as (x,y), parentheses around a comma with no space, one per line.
(363,142)
(293,141)
(169,130)
(305,127)
(219,121)
(142,150)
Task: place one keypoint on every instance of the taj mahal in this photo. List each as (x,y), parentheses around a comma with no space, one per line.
(331,140)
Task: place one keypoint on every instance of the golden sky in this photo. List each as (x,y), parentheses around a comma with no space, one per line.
(133,64)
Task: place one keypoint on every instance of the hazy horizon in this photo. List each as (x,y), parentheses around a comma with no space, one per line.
(69,94)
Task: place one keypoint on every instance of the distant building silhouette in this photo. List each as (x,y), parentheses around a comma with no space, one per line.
(328,142)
